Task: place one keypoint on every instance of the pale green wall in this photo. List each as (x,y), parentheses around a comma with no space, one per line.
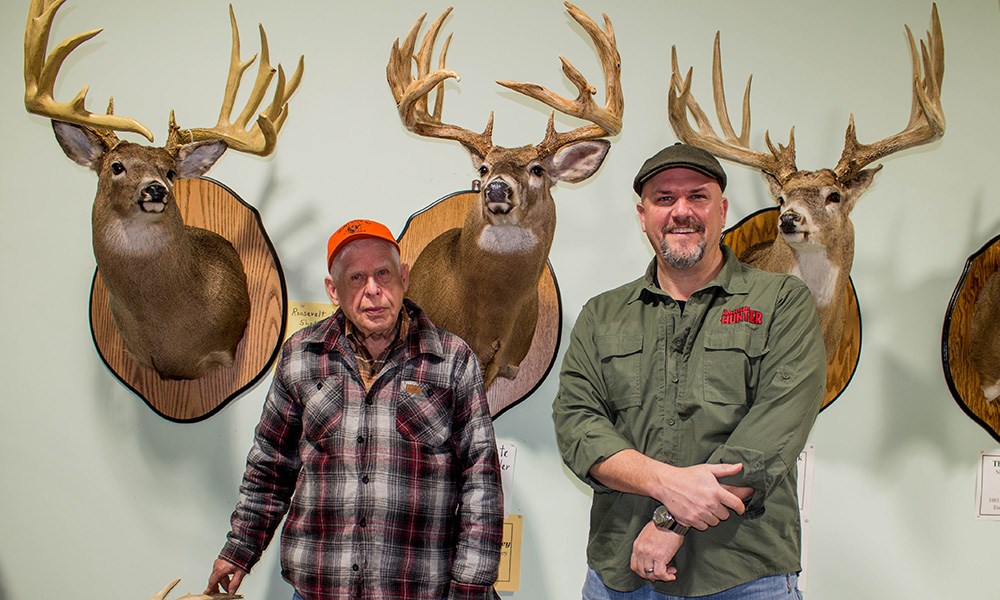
(102,498)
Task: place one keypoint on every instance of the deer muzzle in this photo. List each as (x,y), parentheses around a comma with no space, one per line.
(790,221)
(498,197)
(153,198)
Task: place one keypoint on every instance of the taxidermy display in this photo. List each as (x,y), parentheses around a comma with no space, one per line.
(178,294)
(985,337)
(816,236)
(480,281)
(162,594)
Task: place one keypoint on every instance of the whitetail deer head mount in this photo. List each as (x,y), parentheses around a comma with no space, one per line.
(497,257)
(178,294)
(816,236)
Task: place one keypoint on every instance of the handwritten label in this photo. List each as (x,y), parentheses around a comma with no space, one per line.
(303,314)
(508,454)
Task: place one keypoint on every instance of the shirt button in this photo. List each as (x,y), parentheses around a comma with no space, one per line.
(678,345)
(355,567)
(363,522)
(361,439)
(786,376)
(673,379)
(364,479)
(671,422)
(369,402)
(319,385)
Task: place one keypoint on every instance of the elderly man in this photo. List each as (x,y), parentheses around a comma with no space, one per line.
(376,440)
(685,399)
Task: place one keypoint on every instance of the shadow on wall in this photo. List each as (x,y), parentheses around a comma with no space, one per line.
(3,587)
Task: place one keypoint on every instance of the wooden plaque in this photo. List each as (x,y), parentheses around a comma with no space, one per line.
(448,213)
(210,205)
(963,379)
(755,233)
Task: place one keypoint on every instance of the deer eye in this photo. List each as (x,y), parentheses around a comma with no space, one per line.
(171,174)
(833,197)
(781,200)
(537,170)
(117,168)
(483,170)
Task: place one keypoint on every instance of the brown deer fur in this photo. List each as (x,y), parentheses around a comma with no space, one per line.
(985,337)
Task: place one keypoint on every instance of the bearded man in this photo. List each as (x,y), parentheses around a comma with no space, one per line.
(685,398)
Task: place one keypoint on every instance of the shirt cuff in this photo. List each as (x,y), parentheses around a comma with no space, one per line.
(470,591)
(239,556)
(753,474)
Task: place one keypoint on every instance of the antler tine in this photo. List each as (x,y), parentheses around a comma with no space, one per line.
(262,137)
(606,121)
(926,122)
(411,93)
(40,74)
(780,163)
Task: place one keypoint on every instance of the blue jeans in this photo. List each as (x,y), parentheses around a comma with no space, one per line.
(774,587)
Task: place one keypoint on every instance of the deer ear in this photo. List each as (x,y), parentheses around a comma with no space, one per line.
(772,184)
(859,182)
(576,162)
(79,143)
(196,158)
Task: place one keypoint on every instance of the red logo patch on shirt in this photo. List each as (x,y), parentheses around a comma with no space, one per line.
(745,313)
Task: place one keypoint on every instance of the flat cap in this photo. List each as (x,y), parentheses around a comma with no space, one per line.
(680,155)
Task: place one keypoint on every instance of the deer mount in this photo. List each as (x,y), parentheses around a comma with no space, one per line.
(480,278)
(970,342)
(813,237)
(178,295)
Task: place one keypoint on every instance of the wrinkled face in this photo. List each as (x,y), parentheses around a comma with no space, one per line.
(368,282)
(682,213)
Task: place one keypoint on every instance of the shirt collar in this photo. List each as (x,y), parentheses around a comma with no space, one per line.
(731,278)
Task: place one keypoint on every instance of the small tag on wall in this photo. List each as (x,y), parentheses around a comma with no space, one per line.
(509,576)
(988,486)
(303,314)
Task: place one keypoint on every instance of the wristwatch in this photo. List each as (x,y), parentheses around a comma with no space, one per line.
(664,520)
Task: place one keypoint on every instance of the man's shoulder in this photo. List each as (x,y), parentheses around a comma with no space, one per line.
(619,295)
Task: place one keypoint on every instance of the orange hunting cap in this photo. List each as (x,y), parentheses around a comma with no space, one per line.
(354,230)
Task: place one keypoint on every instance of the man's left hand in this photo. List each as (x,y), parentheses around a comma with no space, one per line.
(652,551)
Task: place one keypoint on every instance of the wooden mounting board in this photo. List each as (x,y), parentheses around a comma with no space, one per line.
(963,379)
(448,213)
(759,230)
(210,205)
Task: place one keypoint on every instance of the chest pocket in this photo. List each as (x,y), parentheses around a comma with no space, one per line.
(424,414)
(323,410)
(620,357)
(732,364)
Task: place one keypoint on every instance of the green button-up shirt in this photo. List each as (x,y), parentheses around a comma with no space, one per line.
(738,376)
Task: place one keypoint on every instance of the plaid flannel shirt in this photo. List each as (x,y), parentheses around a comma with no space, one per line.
(390,493)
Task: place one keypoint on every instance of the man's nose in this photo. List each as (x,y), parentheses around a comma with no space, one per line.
(682,206)
(372,287)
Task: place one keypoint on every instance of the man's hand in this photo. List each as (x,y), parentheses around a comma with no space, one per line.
(652,552)
(225,576)
(695,497)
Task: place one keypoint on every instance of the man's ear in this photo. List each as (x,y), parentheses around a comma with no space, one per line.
(331,290)
(404,274)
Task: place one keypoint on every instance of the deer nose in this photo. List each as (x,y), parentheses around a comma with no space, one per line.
(790,220)
(155,192)
(498,195)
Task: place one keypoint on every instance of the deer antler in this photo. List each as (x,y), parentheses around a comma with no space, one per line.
(606,121)
(262,137)
(411,93)
(780,163)
(162,594)
(926,122)
(40,76)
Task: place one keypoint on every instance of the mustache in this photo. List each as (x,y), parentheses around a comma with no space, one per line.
(685,223)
